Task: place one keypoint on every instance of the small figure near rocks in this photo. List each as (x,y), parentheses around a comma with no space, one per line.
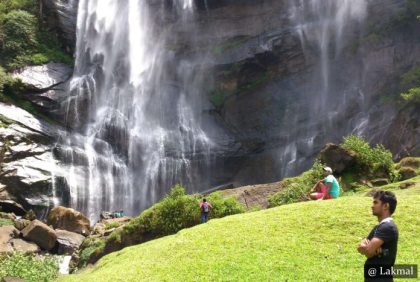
(205,209)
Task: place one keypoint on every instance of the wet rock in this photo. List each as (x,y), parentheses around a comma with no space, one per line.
(12,207)
(41,234)
(24,246)
(27,164)
(69,219)
(46,85)
(68,242)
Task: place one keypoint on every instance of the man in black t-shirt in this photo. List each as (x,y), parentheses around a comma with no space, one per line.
(380,247)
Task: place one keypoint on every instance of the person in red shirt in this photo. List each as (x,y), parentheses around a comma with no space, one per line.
(205,208)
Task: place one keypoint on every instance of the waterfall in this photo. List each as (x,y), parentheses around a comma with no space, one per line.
(324,28)
(321,24)
(133,109)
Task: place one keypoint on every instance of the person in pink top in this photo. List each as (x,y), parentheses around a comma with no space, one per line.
(205,208)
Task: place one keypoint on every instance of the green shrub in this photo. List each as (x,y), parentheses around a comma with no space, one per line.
(297,187)
(5,221)
(29,267)
(413,95)
(19,29)
(113,225)
(4,80)
(89,248)
(7,6)
(22,40)
(223,206)
(370,160)
(174,212)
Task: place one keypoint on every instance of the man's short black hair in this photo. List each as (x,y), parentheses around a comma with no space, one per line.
(387,197)
(204,200)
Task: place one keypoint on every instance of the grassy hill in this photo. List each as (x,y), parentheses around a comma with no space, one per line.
(309,241)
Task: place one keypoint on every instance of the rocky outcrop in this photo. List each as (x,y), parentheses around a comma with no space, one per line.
(254,196)
(10,206)
(27,167)
(46,86)
(68,242)
(69,219)
(41,234)
(337,158)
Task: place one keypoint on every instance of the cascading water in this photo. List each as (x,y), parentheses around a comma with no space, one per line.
(324,28)
(143,132)
(323,23)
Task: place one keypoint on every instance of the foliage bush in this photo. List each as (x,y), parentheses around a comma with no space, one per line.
(297,187)
(412,96)
(370,160)
(23,41)
(29,267)
(5,221)
(174,212)
(89,248)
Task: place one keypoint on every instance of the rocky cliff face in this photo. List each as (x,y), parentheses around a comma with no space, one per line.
(29,173)
(283,101)
(278,92)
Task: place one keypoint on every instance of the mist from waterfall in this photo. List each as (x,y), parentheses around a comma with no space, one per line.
(142,133)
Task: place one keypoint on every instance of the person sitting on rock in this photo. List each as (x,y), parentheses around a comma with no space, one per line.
(327,188)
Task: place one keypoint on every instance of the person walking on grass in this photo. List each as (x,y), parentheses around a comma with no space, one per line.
(380,247)
(327,188)
(205,209)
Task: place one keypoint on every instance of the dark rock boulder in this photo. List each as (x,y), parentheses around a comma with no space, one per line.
(407,172)
(69,219)
(338,158)
(12,207)
(68,242)
(41,234)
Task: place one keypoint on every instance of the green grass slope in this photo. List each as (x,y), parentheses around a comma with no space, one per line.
(309,241)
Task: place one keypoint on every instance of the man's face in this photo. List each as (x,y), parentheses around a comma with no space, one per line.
(326,173)
(377,207)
